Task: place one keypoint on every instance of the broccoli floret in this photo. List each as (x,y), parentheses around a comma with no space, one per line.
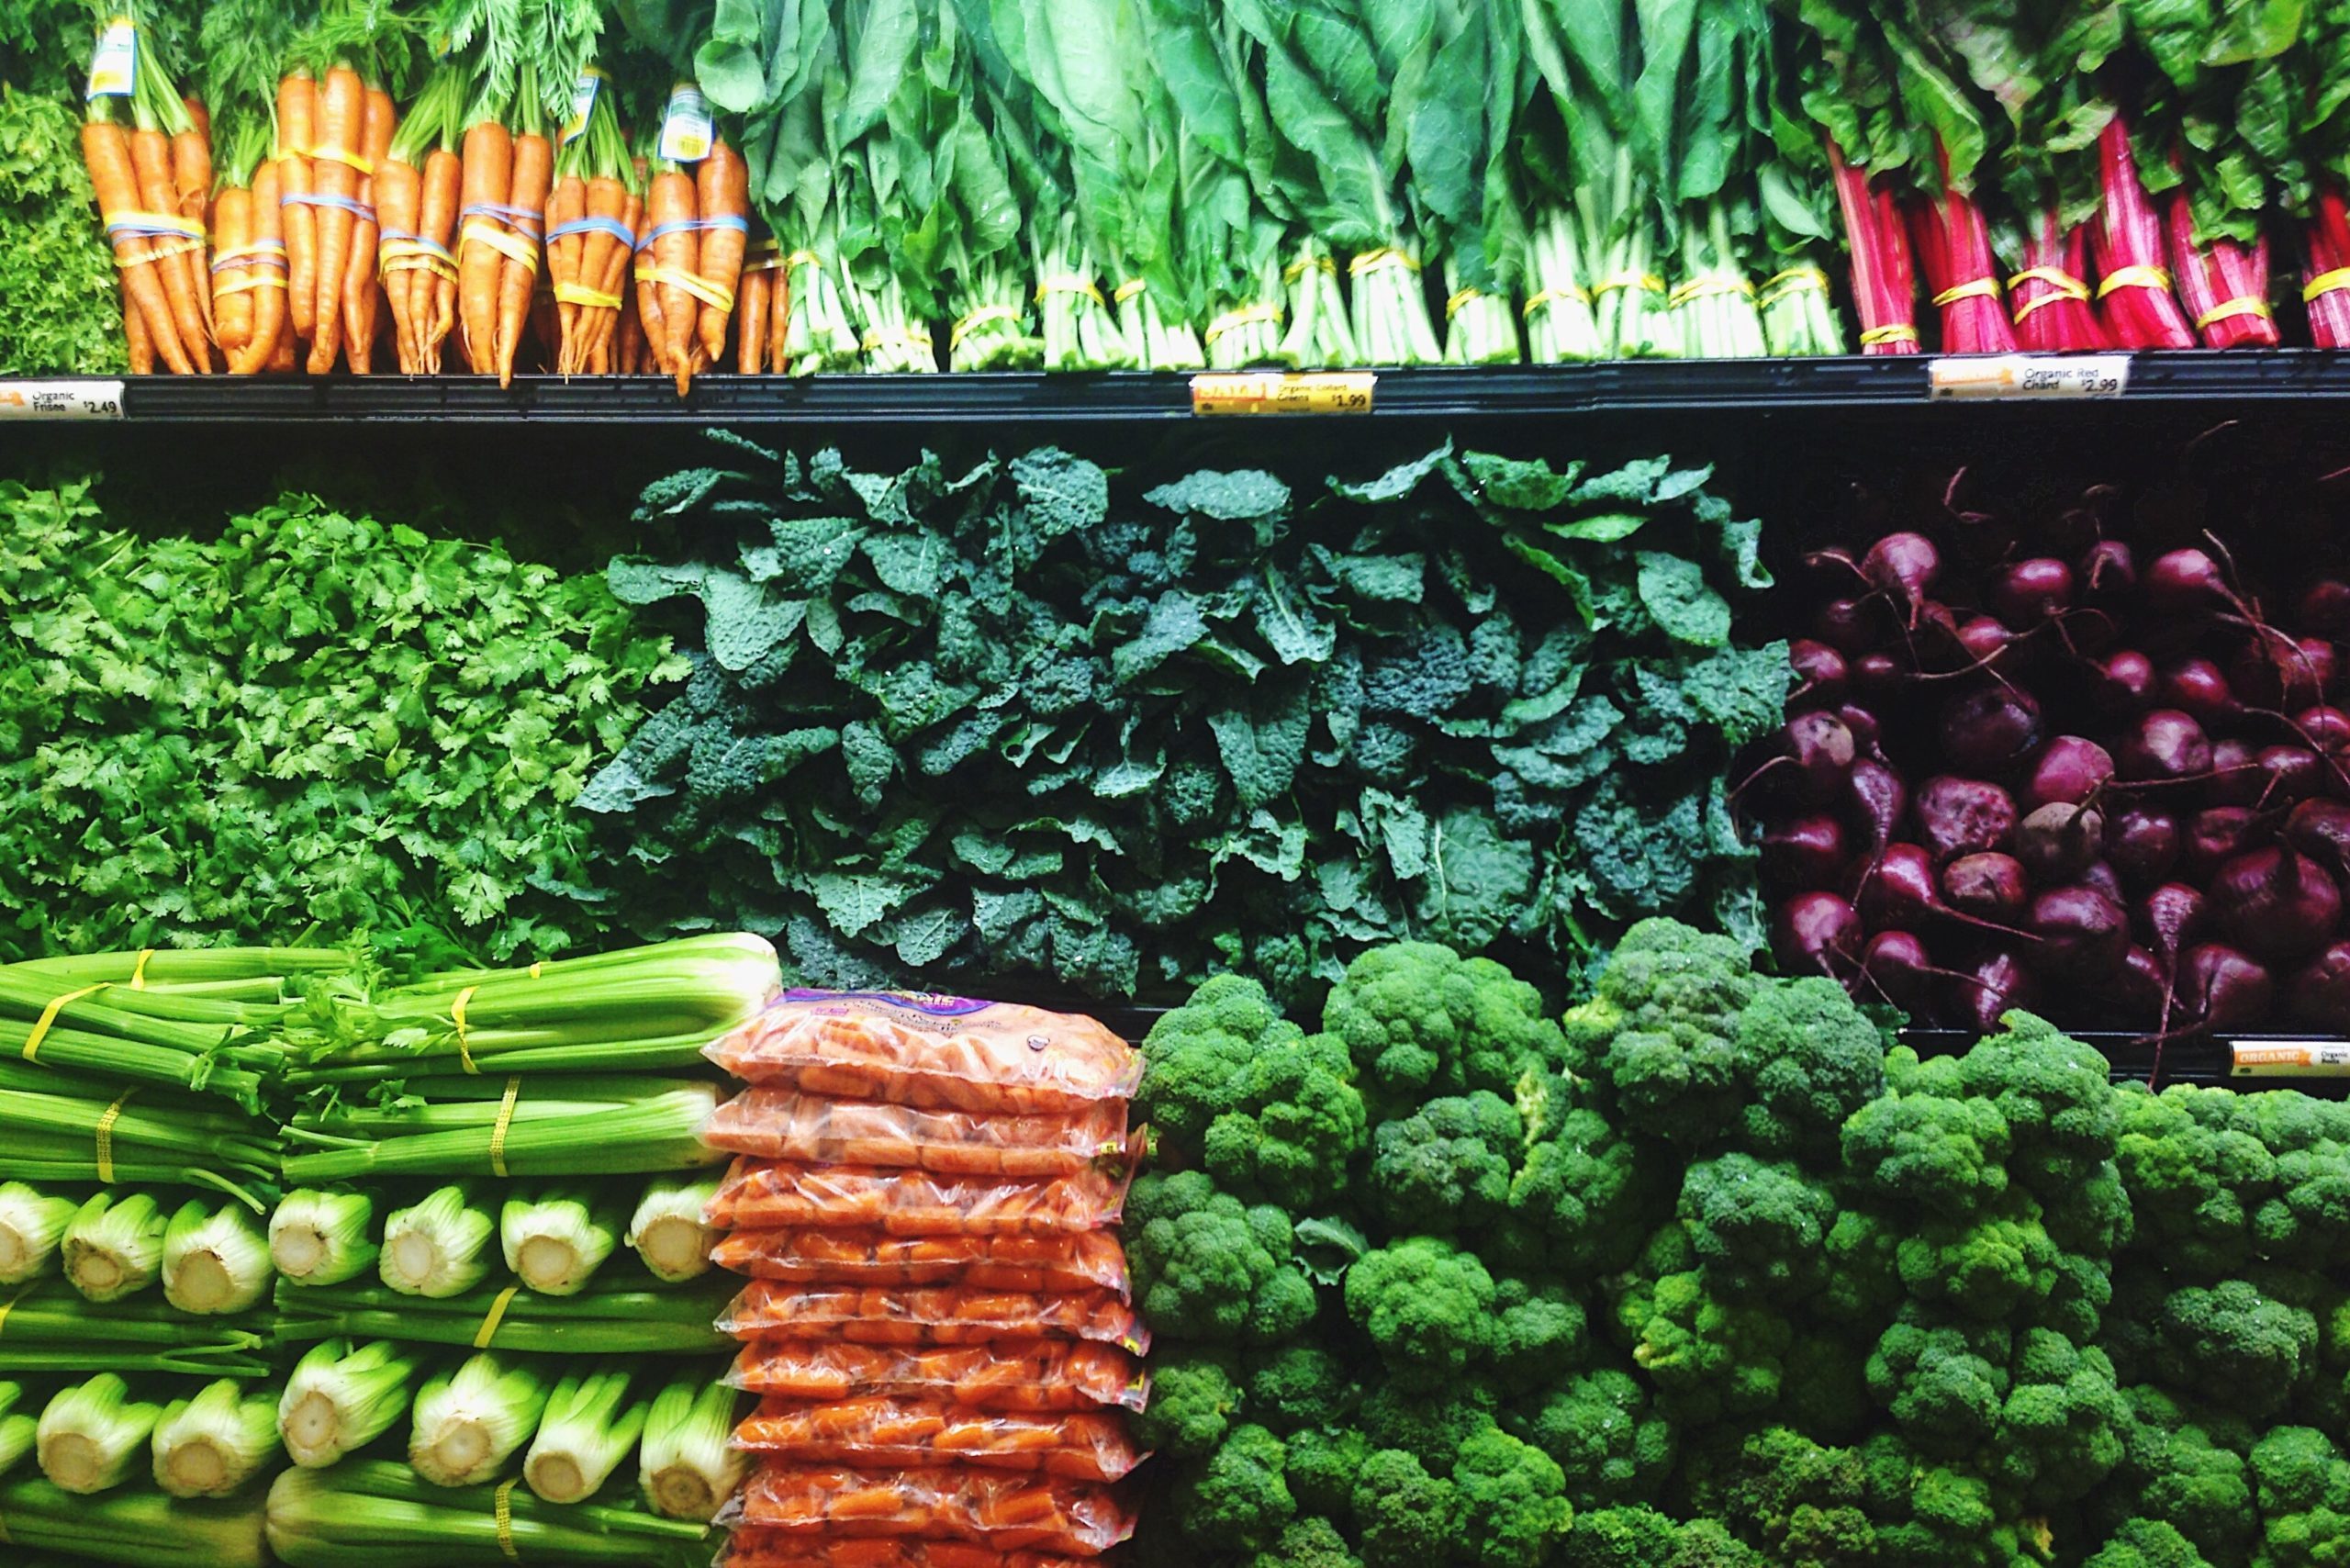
(1297,1385)
(1801,1502)
(2307,1220)
(1986,1267)
(2054,1093)
(1296,1124)
(1208,1268)
(1513,1501)
(1323,1467)
(2197,1173)
(1430,1428)
(2091,1215)
(1937,1153)
(2172,1470)
(1542,1330)
(1942,1382)
(1862,1281)
(1825,1394)
(2060,1427)
(1194,1058)
(1419,1020)
(1611,1448)
(1931,1516)
(1405,1516)
(1447,1167)
(1706,1543)
(1759,1229)
(1619,1538)
(1809,1059)
(2147,1543)
(1428,1307)
(1311,1542)
(1193,1396)
(1584,1186)
(2303,1485)
(1239,1499)
(2237,1347)
(1659,1033)
(1708,1357)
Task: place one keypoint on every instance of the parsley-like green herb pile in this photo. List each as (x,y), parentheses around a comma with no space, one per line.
(65,315)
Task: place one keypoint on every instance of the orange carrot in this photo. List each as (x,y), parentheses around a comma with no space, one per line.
(671,204)
(362,294)
(533,173)
(400,196)
(298,105)
(614,278)
(566,204)
(269,299)
(751,341)
(134,332)
(105,150)
(192,184)
(151,162)
(341,146)
(723,188)
(232,309)
(488,176)
(432,296)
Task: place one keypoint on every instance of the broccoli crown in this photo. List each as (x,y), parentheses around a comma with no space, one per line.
(2308,1219)
(1810,1058)
(1403,1516)
(2061,1428)
(1295,1123)
(2304,1486)
(1542,1332)
(1800,1501)
(1446,1169)
(1936,1153)
(1659,1033)
(1208,1268)
(1989,1266)
(2236,1345)
(1419,1020)
(2054,1093)
(1942,1382)
(1194,1395)
(1323,1466)
(1584,1185)
(1709,1357)
(1862,1281)
(1194,1058)
(1430,1428)
(2172,1470)
(1297,1385)
(1310,1543)
(1758,1228)
(1513,1501)
(1706,1543)
(2196,1172)
(1619,1538)
(1610,1446)
(1239,1499)
(1427,1308)
(2147,1543)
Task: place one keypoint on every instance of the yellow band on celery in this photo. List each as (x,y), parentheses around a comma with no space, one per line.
(48,1018)
(139,969)
(105,1139)
(457,1016)
(501,1507)
(505,1121)
(496,1315)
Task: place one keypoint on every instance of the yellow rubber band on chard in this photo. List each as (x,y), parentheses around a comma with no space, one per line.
(1127,290)
(2227,311)
(2066,286)
(1386,258)
(1068,282)
(1975,288)
(2334,282)
(2133,277)
(1897,333)
(1232,321)
(1543,298)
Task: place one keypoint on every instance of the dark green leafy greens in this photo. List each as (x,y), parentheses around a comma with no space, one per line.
(1015,722)
(55,271)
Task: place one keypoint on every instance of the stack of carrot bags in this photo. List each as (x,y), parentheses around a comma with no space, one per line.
(938,1323)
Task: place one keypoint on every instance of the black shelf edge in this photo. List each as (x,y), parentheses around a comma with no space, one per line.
(1485,394)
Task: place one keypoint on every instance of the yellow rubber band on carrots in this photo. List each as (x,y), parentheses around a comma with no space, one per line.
(505,1121)
(1298,268)
(153,223)
(493,1318)
(1712,286)
(1977,289)
(2133,277)
(580,294)
(1460,300)
(501,1508)
(457,1016)
(343,156)
(47,1019)
(1232,321)
(2335,282)
(126,260)
(1068,282)
(413,255)
(512,246)
(1543,298)
(2229,309)
(701,288)
(105,1139)
(1385,259)
(766,256)
(246,286)
(1127,290)
(139,969)
(1897,332)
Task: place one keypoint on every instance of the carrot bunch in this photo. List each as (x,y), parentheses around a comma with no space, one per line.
(416,197)
(1080,1261)
(149,158)
(591,235)
(939,1315)
(775,1549)
(690,259)
(1001,1374)
(504,177)
(763,311)
(785,1124)
(983,1507)
(880,1432)
(249,263)
(351,123)
(768,1194)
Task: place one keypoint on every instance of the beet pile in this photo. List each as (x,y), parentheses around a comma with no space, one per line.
(2110,788)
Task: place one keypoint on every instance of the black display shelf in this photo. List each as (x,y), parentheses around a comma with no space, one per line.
(1726,387)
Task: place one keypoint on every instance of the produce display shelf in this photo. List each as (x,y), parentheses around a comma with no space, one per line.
(1437,394)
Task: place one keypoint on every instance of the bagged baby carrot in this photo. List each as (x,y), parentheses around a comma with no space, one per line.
(1003,1375)
(764,1194)
(983,1507)
(940,1051)
(941,1315)
(775,1549)
(1079,1260)
(786,1123)
(877,1433)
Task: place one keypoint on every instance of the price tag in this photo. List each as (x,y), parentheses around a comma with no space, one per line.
(583,101)
(1284,392)
(2289,1058)
(688,127)
(1965,377)
(114,67)
(61,400)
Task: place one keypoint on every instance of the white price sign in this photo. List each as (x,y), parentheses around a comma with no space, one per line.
(2289,1058)
(1965,377)
(61,400)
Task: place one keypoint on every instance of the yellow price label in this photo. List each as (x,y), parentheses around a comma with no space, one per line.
(1284,392)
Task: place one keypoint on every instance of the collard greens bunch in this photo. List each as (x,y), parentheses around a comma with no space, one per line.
(1020,721)
(1707,1275)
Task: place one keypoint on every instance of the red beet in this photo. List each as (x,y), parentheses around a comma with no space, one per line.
(1905,565)
(2276,904)
(2143,843)
(2108,571)
(1997,986)
(1817,934)
(2324,607)
(1848,625)
(2290,773)
(2164,744)
(2083,933)
(2186,580)
(2070,772)
(2057,843)
(2223,989)
(1991,729)
(2236,779)
(2028,592)
(1807,852)
(1881,800)
(2125,683)
(2320,995)
(2215,836)
(1820,671)
(1989,886)
(1897,963)
(2199,688)
(2322,829)
(1958,816)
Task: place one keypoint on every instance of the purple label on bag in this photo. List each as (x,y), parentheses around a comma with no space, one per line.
(913,1001)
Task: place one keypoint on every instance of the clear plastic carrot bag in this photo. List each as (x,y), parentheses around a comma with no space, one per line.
(877,1433)
(759,1194)
(985,1507)
(939,1051)
(778,1548)
(788,1124)
(930,1314)
(1002,1374)
(820,1255)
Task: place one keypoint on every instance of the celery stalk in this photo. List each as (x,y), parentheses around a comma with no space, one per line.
(32,1226)
(341,1396)
(322,1238)
(555,1241)
(590,1425)
(90,1433)
(114,1246)
(438,1246)
(215,1258)
(212,1444)
(687,1465)
(668,1230)
(469,1422)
